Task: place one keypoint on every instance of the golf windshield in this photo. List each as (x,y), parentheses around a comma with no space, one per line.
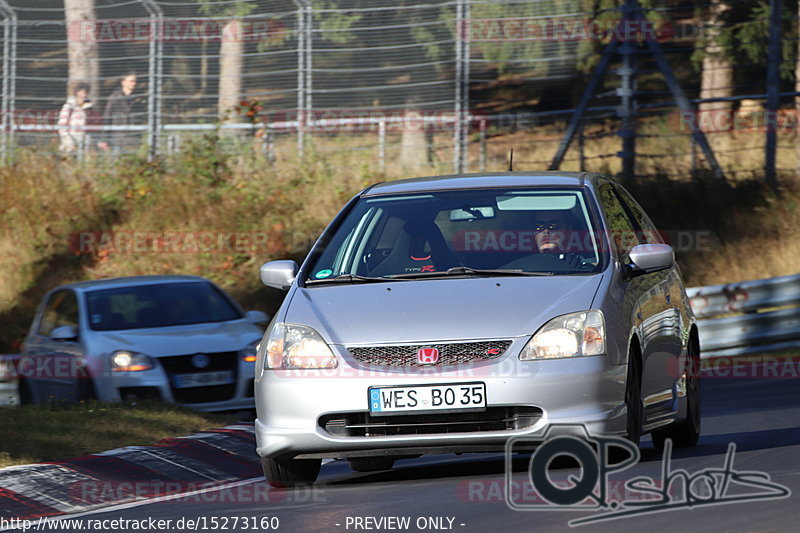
(158,305)
(467,232)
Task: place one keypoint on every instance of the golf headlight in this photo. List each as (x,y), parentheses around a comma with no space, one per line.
(248,354)
(125,361)
(291,346)
(570,335)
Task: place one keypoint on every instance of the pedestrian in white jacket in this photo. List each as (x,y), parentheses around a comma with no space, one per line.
(75,120)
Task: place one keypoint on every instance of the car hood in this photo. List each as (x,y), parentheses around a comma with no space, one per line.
(181,340)
(439,310)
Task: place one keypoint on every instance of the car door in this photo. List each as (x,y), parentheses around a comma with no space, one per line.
(645,295)
(53,365)
(674,327)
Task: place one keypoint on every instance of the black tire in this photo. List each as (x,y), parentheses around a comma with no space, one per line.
(633,398)
(686,432)
(286,473)
(86,390)
(24,392)
(371,464)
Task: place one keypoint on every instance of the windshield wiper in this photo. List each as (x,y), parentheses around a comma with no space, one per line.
(463,270)
(349,278)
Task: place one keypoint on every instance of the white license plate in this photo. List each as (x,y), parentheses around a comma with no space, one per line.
(386,400)
(204,379)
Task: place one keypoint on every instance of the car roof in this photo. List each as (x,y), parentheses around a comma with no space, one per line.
(114,283)
(483,180)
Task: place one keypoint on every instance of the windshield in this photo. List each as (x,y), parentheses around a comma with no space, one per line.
(467,232)
(163,304)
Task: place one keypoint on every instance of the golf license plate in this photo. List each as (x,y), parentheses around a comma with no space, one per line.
(413,398)
(203,379)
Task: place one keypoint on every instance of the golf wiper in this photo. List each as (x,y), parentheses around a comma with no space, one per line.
(348,278)
(462,270)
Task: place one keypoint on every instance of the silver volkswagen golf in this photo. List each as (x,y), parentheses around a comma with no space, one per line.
(447,314)
(174,338)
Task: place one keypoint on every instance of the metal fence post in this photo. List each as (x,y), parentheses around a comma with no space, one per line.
(458,160)
(9,79)
(302,45)
(154,77)
(382,145)
(482,157)
(309,63)
(773,89)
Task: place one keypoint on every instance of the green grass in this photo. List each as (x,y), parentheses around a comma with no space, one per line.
(37,433)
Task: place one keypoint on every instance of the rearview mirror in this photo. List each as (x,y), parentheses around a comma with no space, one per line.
(471,213)
(279,274)
(647,258)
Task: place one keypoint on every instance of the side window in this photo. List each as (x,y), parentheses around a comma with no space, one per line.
(61,310)
(621,228)
(649,235)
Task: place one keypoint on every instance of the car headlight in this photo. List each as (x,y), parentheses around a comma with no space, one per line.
(570,335)
(291,346)
(249,353)
(125,361)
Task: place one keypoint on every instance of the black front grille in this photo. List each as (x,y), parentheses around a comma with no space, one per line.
(219,361)
(217,393)
(493,419)
(449,354)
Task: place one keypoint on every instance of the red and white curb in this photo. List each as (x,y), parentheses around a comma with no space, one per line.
(172,467)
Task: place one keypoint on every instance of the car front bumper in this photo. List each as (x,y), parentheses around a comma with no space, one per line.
(157,381)
(293,405)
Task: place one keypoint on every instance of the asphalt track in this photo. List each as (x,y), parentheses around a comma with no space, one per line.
(761,416)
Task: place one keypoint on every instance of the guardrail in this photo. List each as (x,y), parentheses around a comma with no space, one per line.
(749,316)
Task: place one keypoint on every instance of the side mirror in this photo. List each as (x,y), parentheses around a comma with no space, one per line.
(279,274)
(257,317)
(64,333)
(647,258)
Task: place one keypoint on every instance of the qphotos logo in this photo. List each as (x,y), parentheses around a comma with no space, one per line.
(594,492)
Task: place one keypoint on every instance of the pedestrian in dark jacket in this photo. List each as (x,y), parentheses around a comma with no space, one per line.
(119,112)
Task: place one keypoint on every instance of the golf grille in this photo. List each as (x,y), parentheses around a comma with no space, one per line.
(449,354)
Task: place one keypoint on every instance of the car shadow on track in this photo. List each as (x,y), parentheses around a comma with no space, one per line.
(449,467)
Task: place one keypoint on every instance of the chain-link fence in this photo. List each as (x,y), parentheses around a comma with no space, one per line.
(450,83)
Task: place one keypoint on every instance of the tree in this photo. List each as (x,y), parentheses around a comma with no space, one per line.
(231,52)
(716,75)
(82,53)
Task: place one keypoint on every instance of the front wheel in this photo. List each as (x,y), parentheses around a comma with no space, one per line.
(285,473)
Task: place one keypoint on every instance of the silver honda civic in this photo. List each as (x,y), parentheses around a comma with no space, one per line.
(447,314)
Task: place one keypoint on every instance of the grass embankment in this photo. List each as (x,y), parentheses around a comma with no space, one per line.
(729,233)
(36,433)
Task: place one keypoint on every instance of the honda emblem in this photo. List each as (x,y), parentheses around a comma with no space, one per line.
(428,356)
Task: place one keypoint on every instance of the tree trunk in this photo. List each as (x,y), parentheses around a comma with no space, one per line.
(717,74)
(415,143)
(231,51)
(81,48)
